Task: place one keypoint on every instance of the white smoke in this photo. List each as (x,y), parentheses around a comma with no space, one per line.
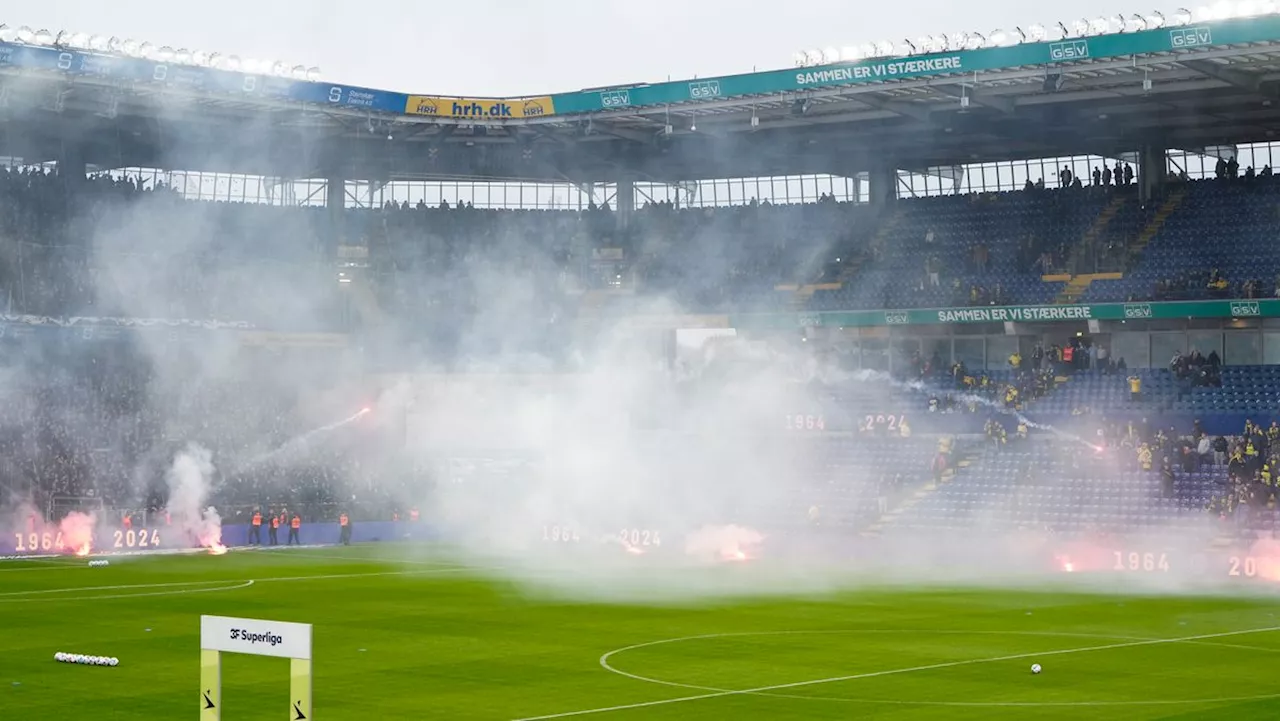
(190,481)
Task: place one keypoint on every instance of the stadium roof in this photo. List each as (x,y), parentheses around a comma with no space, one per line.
(1187,87)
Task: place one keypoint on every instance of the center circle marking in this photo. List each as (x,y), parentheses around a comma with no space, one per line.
(608,656)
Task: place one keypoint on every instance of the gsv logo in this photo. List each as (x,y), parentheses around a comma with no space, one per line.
(1245,310)
(615,98)
(1137,311)
(1069,50)
(704,90)
(1190,37)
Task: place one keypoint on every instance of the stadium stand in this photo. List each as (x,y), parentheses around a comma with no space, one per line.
(455,286)
(1213,246)
(988,249)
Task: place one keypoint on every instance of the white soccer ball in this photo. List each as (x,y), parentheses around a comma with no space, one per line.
(58,656)
(114,661)
(1035,668)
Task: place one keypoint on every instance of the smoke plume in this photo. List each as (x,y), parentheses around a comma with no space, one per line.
(190,480)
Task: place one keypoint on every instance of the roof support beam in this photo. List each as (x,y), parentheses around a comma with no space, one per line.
(975,94)
(1248,82)
(895,106)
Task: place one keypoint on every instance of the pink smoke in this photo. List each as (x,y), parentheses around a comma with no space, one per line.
(77,532)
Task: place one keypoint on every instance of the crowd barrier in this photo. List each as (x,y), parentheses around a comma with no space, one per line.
(329,532)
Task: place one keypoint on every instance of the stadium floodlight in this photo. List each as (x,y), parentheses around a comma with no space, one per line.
(1099,26)
(798,58)
(313,73)
(63,39)
(1181,16)
(298,72)
(1117,23)
(1079,29)
(7,34)
(182,56)
(924,44)
(829,55)
(233,63)
(957,41)
(25,34)
(976,41)
(147,50)
(99,43)
(130,47)
(868,50)
(850,53)
(200,58)
(1136,24)
(43,37)
(114,44)
(999,38)
(939,43)
(165,54)
(1155,20)
(1036,33)
(884,49)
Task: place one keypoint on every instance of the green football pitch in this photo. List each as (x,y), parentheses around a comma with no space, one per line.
(430,640)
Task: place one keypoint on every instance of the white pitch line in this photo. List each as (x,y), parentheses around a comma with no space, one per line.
(604,662)
(893,672)
(171,592)
(49,593)
(46,567)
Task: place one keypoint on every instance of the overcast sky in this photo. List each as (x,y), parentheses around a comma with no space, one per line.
(508,47)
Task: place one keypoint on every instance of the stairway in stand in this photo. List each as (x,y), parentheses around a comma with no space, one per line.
(921,493)
(1077,286)
(1154,226)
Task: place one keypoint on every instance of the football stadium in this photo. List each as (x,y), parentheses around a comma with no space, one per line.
(929,379)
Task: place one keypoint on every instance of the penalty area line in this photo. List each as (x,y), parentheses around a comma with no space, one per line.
(894,672)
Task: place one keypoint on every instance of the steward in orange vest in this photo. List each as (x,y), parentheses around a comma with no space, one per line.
(344,536)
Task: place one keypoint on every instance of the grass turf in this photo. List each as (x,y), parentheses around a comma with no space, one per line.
(426,641)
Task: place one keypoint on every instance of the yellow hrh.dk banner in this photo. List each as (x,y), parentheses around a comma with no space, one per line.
(480,108)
